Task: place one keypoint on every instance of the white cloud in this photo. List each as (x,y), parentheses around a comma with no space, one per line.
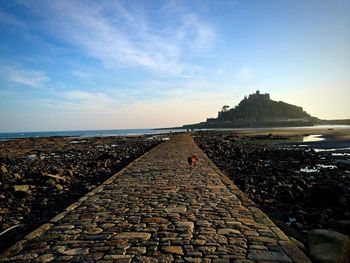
(28,77)
(111,99)
(121,36)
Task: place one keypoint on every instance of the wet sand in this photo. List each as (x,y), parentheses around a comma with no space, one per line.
(334,134)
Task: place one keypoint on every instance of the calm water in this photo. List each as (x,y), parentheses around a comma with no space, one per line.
(313,138)
(92,133)
(123,132)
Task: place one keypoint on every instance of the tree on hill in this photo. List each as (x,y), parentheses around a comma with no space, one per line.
(225,108)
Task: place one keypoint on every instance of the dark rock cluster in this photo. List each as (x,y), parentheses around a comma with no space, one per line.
(39,177)
(299,188)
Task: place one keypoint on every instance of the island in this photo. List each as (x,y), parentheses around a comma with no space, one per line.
(258,110)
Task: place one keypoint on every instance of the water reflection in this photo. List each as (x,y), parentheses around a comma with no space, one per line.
(318,168)
(313,138)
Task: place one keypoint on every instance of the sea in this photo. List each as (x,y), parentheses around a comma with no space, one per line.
(4,136)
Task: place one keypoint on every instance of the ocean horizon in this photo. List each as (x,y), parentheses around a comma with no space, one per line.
(84,133)
(129,132)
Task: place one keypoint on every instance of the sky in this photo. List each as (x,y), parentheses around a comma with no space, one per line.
(76,65)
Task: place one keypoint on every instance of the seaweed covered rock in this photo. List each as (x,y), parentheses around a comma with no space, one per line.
(327,246)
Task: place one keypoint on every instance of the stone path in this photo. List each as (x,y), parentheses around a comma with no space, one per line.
(158,209)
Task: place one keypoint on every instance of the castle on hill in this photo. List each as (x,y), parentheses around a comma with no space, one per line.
(258,110)
(258,96)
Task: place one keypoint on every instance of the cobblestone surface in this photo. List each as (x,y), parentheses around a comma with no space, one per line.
(159,209)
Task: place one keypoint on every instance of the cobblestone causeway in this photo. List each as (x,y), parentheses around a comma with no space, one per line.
(158,209)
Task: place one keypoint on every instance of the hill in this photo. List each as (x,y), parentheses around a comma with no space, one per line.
(258,110)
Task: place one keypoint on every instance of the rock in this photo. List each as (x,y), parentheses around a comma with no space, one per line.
(176,209)
(173,250)
(325,194)
(45,258)
(3,169)
(59,187)
(22,258)
(50,182)
(207,249)
(55,177)
(22,188)
(228,231)
(344,226)
(58,171)
(133,235)
(69,173)
(344,201)
(298,243)
(119,258)
(185,225)
(157,220)
(327,246)
(261,255)
(76,251)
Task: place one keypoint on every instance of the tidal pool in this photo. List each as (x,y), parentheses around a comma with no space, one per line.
(313,138)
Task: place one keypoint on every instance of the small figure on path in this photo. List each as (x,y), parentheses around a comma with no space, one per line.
(192,160)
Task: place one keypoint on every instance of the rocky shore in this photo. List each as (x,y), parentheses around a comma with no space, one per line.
(299,188)
(39,177)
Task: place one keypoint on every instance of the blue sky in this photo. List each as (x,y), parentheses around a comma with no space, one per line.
(68,65)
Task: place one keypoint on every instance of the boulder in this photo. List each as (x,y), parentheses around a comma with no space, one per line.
(344,226)
(21,188)
(325,194)
(327,246)
(22,191)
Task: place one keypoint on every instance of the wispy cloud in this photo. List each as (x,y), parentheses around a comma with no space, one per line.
(10,20)
(86,100)
(122,36)
(24,76)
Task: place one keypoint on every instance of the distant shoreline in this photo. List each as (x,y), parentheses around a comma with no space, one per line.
(83,133)
(156,131)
